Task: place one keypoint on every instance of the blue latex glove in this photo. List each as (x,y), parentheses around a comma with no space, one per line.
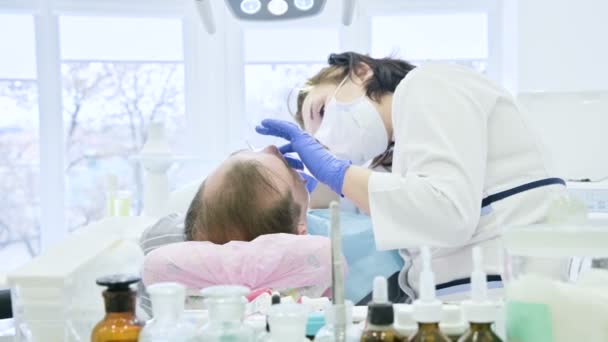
(309,181)
(323,165)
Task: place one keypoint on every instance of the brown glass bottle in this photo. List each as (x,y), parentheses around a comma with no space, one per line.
(119,323)
(380,319)
(480,332)
(429,332)
(388,335)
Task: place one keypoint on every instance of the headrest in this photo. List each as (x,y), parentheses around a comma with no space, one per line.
(282,262)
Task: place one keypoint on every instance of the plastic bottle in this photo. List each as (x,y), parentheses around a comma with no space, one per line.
(119,323)
(226,305)
(332,332)
(479,311)
(404,320)
(427,309)
(168,324)
(380,316)
(452,323)
(287,323)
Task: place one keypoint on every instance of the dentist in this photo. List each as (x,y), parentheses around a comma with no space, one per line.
(464,162)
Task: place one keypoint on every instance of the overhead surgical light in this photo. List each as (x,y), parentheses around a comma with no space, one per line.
(251,6)
(304,5)
(278,7)
(272,10)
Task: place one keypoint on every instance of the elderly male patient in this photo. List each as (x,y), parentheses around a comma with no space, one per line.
(247,197)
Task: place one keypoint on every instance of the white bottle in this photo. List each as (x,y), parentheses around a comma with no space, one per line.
(168,324)
(226,305)
(287,322)
(333,313)
(480,310)
(427,308)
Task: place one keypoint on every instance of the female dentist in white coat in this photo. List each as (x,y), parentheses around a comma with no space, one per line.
(464,162)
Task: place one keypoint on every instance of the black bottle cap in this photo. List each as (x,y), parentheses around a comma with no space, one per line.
(118,282)
(381,314)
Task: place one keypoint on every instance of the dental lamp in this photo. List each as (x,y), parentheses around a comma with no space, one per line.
(272,10)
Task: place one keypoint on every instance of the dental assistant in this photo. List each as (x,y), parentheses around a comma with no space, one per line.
(464,162)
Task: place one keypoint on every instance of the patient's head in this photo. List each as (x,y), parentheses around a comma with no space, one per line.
(248,195)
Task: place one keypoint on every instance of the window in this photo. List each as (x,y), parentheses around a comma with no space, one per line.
(452,37)
(118,76)
(19,154)
(273,72)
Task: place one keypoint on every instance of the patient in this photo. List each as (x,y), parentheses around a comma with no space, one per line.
(253,194)
(250,194)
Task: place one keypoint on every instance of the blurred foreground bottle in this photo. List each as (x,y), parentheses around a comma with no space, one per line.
(120,323)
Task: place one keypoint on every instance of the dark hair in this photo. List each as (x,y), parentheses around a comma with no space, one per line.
(247,206)
(387,73)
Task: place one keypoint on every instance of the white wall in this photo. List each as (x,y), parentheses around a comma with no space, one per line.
(562,45)
(573,128)
(555,59)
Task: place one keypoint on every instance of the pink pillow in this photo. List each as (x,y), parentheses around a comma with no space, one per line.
(281,262)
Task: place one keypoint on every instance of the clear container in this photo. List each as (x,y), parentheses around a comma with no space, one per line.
(330,332)
(226,305)
(168,324)
(552,291)
(287,322)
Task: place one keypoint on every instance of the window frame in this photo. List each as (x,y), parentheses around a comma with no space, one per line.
(46,14)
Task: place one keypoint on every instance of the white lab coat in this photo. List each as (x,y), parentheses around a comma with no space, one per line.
(458,138)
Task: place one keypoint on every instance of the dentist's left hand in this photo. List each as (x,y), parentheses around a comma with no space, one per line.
(323,165)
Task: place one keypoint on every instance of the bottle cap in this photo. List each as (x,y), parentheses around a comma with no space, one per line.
(380,311)
(225,291)
(380,293)
(479,309)
(287,322)
(427,309)
(480,312)
(316,321)
(404,319)
(167,299)
(381,314)
(452,322)
(118,282)
(225,303)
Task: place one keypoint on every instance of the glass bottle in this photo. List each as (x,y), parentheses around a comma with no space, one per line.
(480,312)
(226,305)
(332,332)
(168,324)
(429,332)
(427,309)
(119,323)
(380,316)
(287,322)
(480,332)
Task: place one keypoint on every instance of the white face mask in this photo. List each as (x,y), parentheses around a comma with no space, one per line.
(353,131)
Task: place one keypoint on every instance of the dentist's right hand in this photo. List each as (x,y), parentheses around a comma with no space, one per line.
(323,165)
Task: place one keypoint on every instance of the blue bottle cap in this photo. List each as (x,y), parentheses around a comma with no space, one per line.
(316,321)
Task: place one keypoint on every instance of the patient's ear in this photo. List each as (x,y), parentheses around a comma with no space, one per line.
(302,229)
